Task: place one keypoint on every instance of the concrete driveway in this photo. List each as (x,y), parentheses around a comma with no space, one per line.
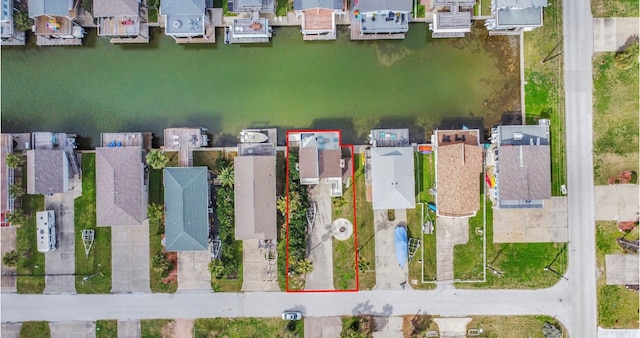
(610,34)
(60,265)
(193,271)
(619,202)
(129,328)
(72,329)
(130,258)
(388,327)
(320,241)
(255,269)
(451,232)
(11,330)
(8,279)
(322,327)
(389,275)
(548,224)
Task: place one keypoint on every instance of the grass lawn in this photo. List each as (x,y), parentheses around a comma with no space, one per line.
(617,306)
(155,277)
(153,327)
(618,8)
(615,118)
(30,268)
(544,89)
(365,229)
(228,284)
(156,192)
(344,252)
(248,327)
(468,260)
(206,158)
(98,263)
(426,253)
(106,328)
(512,326)
(35,329)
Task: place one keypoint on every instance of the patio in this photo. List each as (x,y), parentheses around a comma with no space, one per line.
(53,25)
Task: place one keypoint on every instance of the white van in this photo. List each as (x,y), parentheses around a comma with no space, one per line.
(46,230)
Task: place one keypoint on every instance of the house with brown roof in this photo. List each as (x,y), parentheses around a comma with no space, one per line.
(47,171)
(458,172)
(318,18)
(523,166)
(121,21)
(255,197)
(320,160)
(121,186)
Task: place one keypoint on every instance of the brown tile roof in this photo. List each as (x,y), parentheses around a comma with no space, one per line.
(120,193)
(255,197)
(329,161)
(47,171)
(524,172)
(308,160)
(458,171)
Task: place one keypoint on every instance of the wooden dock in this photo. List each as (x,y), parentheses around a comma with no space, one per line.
(42,41)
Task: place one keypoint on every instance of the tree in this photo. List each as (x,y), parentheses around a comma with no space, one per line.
(226,177)
(161,264)
(15,191)
(14,160)
(281,205)
(22,21)
(17,217)
(157,159)
(11,258)
(216,268)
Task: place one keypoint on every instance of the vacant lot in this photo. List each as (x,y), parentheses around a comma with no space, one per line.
(617,8)
(248,327)
(615,117)
(511,326)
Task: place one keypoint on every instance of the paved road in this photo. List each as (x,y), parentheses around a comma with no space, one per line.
(578,50)
(445,301)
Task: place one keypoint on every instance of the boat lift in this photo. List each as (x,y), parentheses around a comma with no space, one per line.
(88,236)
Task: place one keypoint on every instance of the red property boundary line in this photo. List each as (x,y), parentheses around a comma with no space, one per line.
(354,190)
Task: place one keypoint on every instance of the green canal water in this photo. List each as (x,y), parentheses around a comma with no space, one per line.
(289,83)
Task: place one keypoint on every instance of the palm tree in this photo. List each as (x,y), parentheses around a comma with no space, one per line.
(226,177)
(17,217)
(281,205)
(22,21)
(15,191)
(157,159)
(14,160)
(11,258)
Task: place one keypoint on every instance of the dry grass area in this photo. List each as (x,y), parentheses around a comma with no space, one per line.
(618,8)
(511,326)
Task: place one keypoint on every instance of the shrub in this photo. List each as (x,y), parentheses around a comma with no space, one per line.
(628,58)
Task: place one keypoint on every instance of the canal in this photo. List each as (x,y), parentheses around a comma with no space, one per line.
(289,83)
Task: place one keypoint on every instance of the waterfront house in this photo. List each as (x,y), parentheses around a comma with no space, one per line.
(318,17)
(320,160)
(458,172)
(186,201)
(122,188)
(255,196)
(451,18)
(380,19)
(54,22)
(248,26)
(9,35)
(121,21)
(523,166)
(392,177)
(512,17)
(186,21)
(47,171)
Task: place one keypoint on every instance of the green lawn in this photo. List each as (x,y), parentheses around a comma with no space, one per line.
(206,158)
(365,229)
(35,330)
(512,326)
(615,118)
(248,327)
(544,88)
(618,8)
(468,260)
(155,247)
(617,306)
(156,192)
(30,268)
(426,253)
(344,252)
(97,266)
(106,328)
(153,327)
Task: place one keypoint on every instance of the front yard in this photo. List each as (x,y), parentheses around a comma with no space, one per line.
(248,327)
(30,268)
(365,229)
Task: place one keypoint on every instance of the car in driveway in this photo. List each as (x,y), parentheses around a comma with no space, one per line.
(292,315)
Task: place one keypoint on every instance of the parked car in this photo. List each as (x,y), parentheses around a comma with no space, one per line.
(292,315)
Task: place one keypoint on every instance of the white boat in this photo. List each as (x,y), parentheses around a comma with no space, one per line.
(253,137)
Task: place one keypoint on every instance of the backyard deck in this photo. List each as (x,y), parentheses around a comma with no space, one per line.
(126,139)
(358,34)
(53,25)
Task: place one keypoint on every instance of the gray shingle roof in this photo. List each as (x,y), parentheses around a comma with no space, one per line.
(329,163)
(309,167)
(520,4)
(524,172)
(384,5)
(47,171)
(255,197)
(186,199)
(119,186)
(49,7)
(182,7)
(393,178)
(300,5)
(111,8)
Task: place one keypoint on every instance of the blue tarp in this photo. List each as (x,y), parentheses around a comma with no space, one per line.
(400,239)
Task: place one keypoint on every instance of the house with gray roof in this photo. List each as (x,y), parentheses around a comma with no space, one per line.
(186,202)
(47,171)
(380,19)
(255,197)
(319,17)
(54,22)
(451,18)
(392,176)
(512,17)
(121,21)
(523,166)
(185,20)
(121,186)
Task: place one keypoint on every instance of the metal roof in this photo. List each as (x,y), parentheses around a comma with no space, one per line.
(300,5)
(255,197)
(49,7)
(392,174)
(112,8)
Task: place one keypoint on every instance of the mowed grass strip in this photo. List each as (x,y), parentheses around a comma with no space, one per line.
(512,326)
(97,265)
(618,8)
(617,306)
(468,259)
(153,327)
(365,228)
(35,330)
(248,327)
(30,268)
(106,328)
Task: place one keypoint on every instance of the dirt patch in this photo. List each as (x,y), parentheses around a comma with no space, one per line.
(169,330)
(609,165)
(622,178)
(173,274)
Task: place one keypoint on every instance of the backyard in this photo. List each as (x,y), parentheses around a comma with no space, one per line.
(344,252)
(96,266)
